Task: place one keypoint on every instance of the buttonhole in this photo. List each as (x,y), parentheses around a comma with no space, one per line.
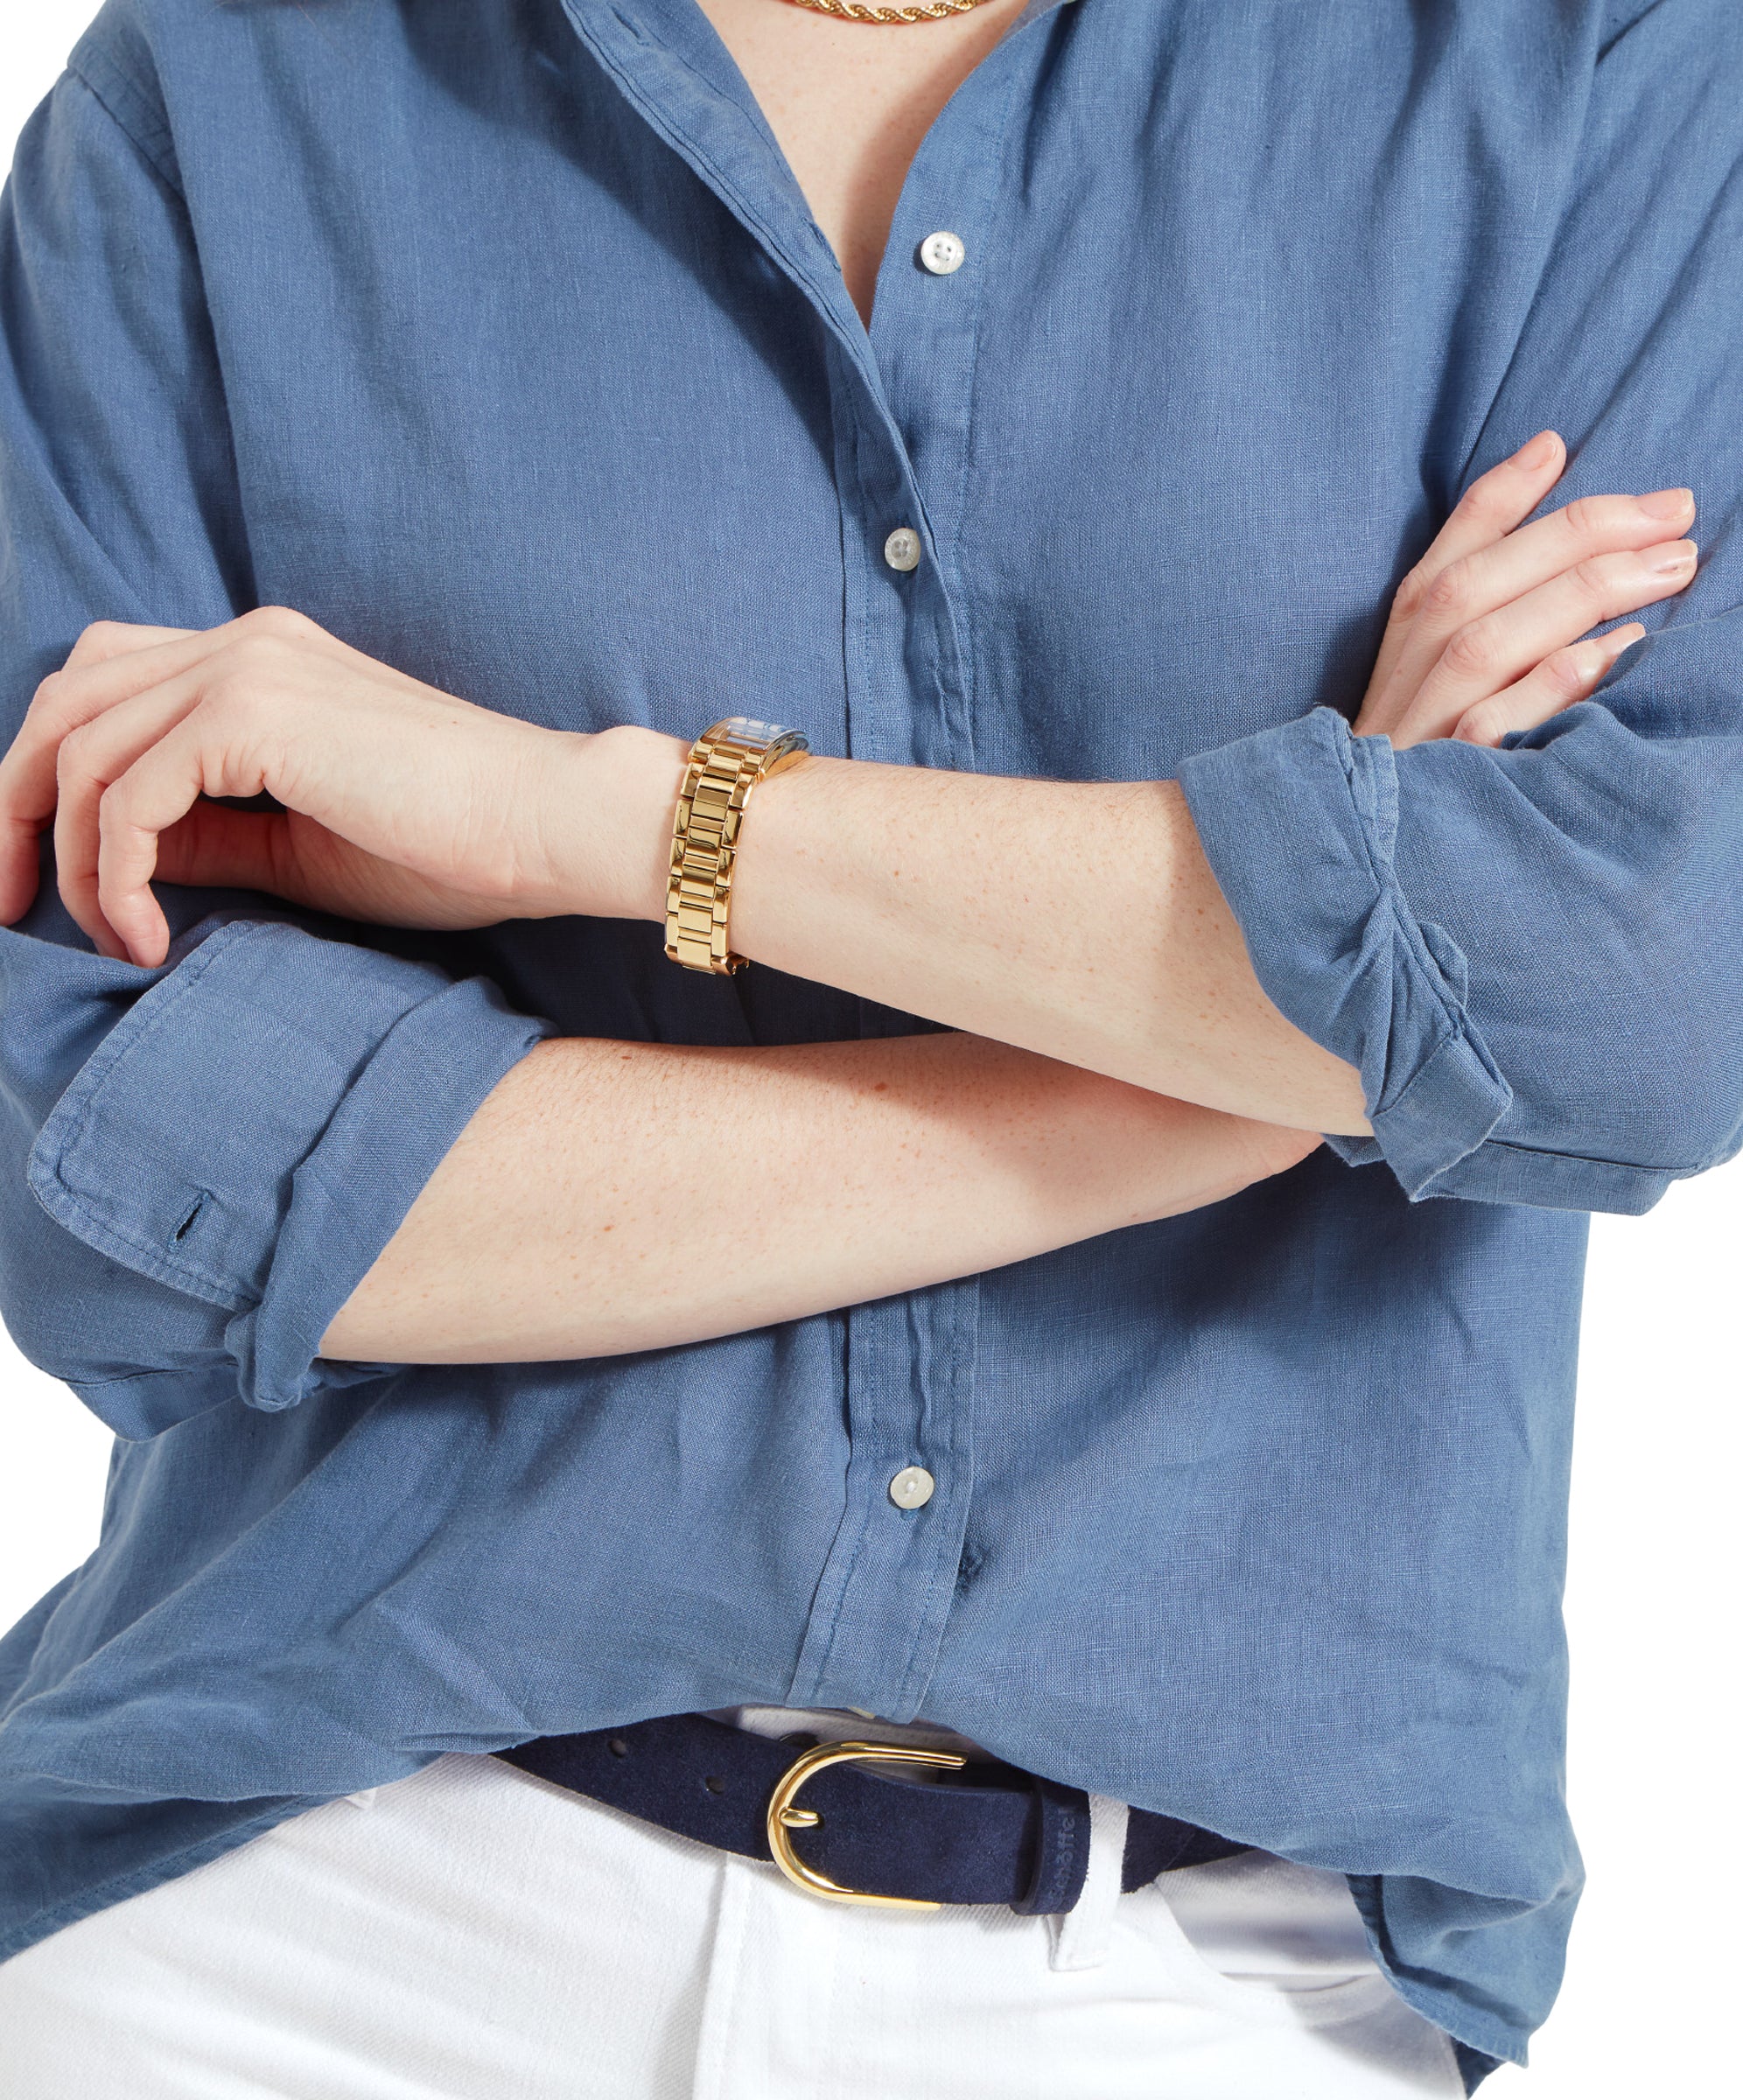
(188,1222)
(617,1746)
(715,1784)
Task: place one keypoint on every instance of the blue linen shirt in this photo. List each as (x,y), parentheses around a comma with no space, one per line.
(499,339)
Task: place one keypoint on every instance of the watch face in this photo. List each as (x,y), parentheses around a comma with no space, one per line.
(753,732)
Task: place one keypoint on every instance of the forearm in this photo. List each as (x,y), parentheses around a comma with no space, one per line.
(1081,921)
(610,1197)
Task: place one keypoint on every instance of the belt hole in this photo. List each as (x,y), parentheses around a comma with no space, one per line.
(617,1746)
(715,1784)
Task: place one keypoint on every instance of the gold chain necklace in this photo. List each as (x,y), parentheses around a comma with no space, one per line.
(853,11)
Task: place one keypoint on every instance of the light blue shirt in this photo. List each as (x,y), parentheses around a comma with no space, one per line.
(499,339)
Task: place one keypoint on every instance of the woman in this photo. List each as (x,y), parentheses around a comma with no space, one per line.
(520,1344)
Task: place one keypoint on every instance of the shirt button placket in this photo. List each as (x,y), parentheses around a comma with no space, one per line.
(881,1610)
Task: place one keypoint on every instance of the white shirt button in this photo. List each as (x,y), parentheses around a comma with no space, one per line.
(942,254)
(901,550)
(912,1487)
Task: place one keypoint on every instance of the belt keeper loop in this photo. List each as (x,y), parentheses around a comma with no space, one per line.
(1062,1850)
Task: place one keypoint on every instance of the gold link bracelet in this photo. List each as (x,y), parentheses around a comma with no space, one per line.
(725,764)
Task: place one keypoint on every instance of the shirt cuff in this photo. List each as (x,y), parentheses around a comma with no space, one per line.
(255,1129)
(1298,823)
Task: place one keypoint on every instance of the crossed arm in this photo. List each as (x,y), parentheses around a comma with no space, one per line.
(1121,1061)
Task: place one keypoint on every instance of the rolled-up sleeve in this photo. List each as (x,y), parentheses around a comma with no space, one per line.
(198,1164)
(1333,939)
(1534,956)
(247,1136)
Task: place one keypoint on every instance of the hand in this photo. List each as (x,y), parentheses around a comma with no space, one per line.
(403,805)
(1484,636)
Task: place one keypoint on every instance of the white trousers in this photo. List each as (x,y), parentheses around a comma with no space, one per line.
(473,1933)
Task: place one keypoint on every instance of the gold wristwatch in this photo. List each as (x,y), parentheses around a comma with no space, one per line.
(725,764)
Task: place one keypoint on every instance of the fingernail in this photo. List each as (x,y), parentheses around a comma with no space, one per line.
(1666,502)
(1674,559)
(1539,453)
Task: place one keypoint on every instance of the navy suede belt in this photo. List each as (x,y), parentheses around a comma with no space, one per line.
(855,1829)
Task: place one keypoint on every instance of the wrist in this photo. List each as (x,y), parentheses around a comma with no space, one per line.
(610,823)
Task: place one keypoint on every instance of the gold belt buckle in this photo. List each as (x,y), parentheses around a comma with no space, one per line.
(783,1816)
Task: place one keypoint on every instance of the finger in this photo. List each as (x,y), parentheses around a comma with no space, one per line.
(1494,504)
(1561,680)
(106,637)
(112,662)
(69,698)
(89,761)
(103,672)
(1492,653)
(202,754)
(27,772)
(155,792)
(19,839)
(1492,577)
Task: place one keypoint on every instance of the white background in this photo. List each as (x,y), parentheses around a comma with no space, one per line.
(1655,1776)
